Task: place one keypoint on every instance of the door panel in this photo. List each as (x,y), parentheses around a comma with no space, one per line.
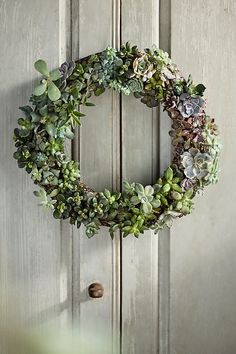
(203,264)
(46,265)
(97,148)
(32,261)
(140,156)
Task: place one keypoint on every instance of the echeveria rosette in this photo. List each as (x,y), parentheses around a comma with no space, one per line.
(197,165)
(142,67)
(145,197)
(190,106)
(152,77)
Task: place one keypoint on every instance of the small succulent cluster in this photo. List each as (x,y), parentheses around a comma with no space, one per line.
(150,76)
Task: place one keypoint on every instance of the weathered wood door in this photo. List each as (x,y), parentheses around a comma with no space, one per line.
(50,264)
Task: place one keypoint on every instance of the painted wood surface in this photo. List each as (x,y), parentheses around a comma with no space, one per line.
(95,25)
(50,265)
(140,156)
(33,265)
(203,247)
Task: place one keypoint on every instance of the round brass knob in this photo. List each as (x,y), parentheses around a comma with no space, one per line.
(95,290)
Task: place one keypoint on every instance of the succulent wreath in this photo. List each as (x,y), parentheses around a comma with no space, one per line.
(152,77)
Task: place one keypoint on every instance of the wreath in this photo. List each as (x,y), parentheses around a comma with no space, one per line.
(152,77)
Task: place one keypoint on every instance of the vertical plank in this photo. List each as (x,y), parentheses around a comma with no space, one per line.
(165,159)
(203,247)
(65,48)
(30,240)
(140,25)
(95,25)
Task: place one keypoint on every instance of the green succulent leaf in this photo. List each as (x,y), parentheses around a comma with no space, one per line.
(199,89)
(51,129)
(26,109)
(188,193)
(41,66)
(53,92)
(54,193)
(99,91)
(135,200)
(148,190)
(40,89)
(89,104)
(139,188)
(169,174)
(176,188)
(165,188)
(176,195)
(69,134)
(156,203)
(147,208)
(57,214)
(55,74)
(44,110)
(35,117)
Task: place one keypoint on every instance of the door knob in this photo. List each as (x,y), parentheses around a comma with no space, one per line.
(95,290)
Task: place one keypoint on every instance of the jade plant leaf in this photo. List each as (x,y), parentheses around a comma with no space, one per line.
(41,66)
(40,89)
(55,75)
(53,92)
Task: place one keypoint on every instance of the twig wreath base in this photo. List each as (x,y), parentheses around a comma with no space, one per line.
(152,77)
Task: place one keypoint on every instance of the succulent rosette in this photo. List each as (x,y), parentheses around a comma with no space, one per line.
(54,112)
(142,67)
(196,164)
(190,106)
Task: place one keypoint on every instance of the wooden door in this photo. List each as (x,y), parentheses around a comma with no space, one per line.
(48,264)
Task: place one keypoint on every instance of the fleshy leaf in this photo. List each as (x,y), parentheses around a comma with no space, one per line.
(41,66)
(51,129)
(55,74)
(149,190)
(139,188)
(169,173)
(53,92)
(135,200)
(200,88)
(147,208)
(40,89)
(156,203)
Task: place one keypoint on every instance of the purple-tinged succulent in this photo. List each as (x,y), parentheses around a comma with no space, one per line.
(190,106)
(66,70)
(196,164)
(171,102)
(187,184)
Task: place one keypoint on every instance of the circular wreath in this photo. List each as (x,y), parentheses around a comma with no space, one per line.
(152,77)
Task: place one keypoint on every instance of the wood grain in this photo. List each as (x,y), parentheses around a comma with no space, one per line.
(140,25)
(98,149)
(33,267)
(203,247)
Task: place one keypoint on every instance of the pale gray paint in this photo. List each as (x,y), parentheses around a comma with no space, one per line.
(49,264)
(203,246)
(97,148)
(140,25)
(32,260)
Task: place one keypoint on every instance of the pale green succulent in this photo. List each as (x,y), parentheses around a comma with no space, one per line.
(46,199)
(183,202)
(146,198)
(47,83)
(196,164)
(143,68)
